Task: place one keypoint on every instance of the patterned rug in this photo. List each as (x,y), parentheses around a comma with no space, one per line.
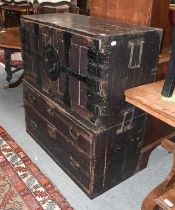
(22,184)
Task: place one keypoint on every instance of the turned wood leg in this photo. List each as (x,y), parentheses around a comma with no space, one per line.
(149,202)
(17,83)
(7,57)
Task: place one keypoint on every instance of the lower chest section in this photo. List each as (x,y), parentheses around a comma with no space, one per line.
(95,161)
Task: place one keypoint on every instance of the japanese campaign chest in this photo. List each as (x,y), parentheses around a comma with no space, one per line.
(76,71)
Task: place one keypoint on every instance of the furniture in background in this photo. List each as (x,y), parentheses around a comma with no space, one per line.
(149,13)
(148,98)
(11,43)
(84,6)
(49,7)
(10,39)
(11,11)
(76,71)
(169,84)
(163,196)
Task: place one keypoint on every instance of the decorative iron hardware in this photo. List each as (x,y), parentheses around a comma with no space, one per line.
(52,62)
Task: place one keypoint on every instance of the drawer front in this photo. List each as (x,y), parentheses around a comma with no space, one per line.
(68,157)
(40,103)
(77,136)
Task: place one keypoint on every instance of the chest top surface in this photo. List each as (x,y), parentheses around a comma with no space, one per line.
(92,26)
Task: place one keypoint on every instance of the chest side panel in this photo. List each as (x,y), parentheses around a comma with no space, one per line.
(133,62)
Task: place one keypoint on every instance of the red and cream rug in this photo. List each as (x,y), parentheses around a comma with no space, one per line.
(16,57)
(22,184)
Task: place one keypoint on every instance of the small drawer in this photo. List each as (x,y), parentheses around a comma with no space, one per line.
(34,98)
(65,154)
(74,132)
(69,128)
(31,96)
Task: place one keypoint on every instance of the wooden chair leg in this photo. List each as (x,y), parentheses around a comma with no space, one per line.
(149,202)
(169,83)
(7,58)
(17,83)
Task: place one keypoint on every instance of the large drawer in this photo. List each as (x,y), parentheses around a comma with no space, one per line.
(77,136)
(73,161)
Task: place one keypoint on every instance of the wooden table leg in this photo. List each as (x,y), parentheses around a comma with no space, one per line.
(149,202)
(7,57)
(16,83)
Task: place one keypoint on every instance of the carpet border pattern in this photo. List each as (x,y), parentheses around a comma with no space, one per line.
(35,189)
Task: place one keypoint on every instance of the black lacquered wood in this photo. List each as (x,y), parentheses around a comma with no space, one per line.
(169,83)
(84,110)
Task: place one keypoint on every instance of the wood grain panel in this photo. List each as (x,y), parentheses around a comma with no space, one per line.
(98,8)
(160,19)
(137,11)
(126,11)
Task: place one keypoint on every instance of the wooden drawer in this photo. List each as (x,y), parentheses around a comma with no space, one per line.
(40,103)
(76,135)
(58,147)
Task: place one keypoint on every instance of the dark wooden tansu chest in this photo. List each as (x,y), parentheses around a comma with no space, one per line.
(76,71)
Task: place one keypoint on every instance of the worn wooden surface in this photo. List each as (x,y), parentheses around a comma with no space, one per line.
(165,190)
(137,11)
(148,98)
(153,13)
(157,15)
(95,161)
(167,200)
(149,13)
(107,65)
(76,73)
(10,38)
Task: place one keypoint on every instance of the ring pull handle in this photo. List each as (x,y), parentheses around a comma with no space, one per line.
(32,98)
(52,62)
(34,125)
(50,111)
(51,131)
(51,92)
(74,163)
(117,148)
(74,133)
